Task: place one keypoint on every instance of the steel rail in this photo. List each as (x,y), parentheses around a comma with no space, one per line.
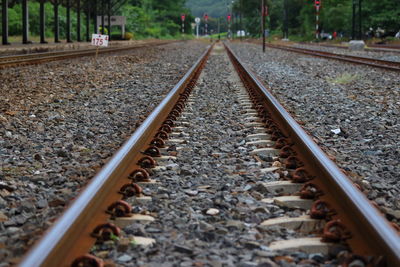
(384,64)
(394,47)
(70,237)
(372,48)
(50,53)
(37,58)
(372,234)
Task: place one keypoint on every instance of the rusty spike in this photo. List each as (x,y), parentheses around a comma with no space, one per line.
(269,123)
(171,117)
(139,175)
(119,208)
(152,151)
(158,142)
(162,135)
(87,261)
(321,210)
(276,135)
(130,190)
(147,162)
(301,175)
(293,162)
(310,191)
(286,152)
(280,143)
(335,231)
(169,122)
(175,113)
(178,108)
(105,232)
(165,128)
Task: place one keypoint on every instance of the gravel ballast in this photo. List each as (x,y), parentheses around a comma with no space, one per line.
(207,203)
(382,55)
(61,121)
(351,111)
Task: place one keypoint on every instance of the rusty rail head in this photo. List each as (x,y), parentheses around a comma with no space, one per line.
(374,234)
(69,237)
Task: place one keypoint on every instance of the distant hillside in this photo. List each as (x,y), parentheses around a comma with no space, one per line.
(214,8)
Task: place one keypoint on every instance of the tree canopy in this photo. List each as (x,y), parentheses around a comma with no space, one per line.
(145,18)
(162,18)
(335,15)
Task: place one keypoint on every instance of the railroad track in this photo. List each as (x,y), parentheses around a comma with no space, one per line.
(38,58)
(334,213)
(378,63)
(392,47)
(370,47)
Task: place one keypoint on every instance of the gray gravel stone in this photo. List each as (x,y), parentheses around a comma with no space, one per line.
(61,121)
(214,174)
(325,95)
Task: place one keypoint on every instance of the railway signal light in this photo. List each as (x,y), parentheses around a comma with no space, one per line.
(183,17)
(229,17)
(317,3)
(205,17)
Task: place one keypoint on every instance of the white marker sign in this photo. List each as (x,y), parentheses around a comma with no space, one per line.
(99,40)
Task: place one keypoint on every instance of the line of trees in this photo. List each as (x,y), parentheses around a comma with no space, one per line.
(335,15)
(15,20)
(156,18)
(145,18)
(162,18)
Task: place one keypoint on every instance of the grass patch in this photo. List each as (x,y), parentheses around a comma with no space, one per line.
(345,78)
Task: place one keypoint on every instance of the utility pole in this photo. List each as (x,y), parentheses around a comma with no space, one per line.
(219,30)
(263,14)
(285,20)
(5,22)
(359,20)
(240,20)
(353,26)
(356,32)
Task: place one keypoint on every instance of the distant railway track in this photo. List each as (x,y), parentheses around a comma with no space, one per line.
(370,47)
(378,63)
(385,46)
(349,216)
(38,58)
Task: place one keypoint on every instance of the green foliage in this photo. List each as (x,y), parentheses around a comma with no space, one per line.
(15,20)
(128,36)
(145,18)
(161,18)
(344,78)
(156,18)
(335,15)
(213,8)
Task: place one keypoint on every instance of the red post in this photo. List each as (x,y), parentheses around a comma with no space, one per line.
(229,26)
(206,26)
(183,23)
(317,5)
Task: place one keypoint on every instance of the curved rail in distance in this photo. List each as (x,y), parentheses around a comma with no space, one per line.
(70,237)
(379,63)
(373,235)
